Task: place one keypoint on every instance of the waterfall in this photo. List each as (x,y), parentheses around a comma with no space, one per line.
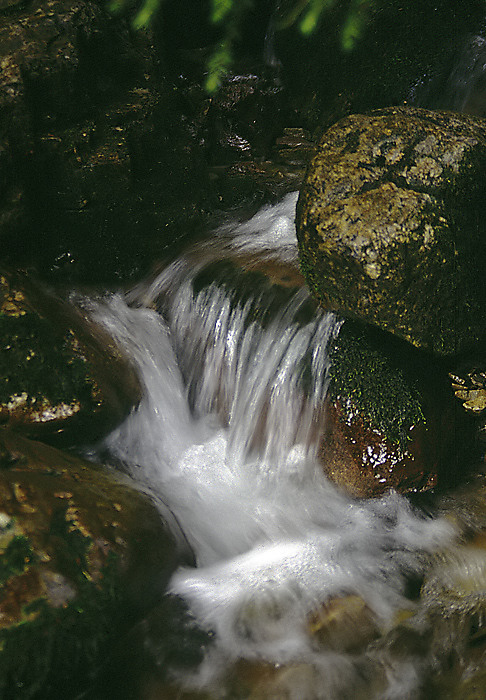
(462,86)
(226,435)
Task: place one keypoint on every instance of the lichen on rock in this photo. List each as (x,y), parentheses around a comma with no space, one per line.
(389,223)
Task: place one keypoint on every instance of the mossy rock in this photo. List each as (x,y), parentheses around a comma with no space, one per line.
(62,377)
(391,416)
(389,225)
(82,557)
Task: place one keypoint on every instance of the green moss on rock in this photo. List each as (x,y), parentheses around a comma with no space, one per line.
(367,381)
(391,420)
(17,555)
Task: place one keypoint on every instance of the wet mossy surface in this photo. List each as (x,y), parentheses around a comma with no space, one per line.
(54,652)
(165,646)
(31,361)
(367,379)
(61,376)
(392,419)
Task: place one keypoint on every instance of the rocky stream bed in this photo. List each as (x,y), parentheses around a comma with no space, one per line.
(215,480)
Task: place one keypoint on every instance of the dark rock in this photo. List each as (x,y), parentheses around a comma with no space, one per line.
(295,146)
(235,115)
(97,158)
(82,557)
(256,183)
(391,417)
(389,223)
(403,50)
(62,376)
(165,645)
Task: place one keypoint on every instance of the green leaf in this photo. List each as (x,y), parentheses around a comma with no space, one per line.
(310,20)
(355,24)
(146,14)
(287,19)
(218,66)
(116,7)
(220,9)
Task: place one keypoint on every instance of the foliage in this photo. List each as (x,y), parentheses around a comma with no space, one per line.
(228,15)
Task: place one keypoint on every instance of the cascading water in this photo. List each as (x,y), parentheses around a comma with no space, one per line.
(226,435)
(463,87)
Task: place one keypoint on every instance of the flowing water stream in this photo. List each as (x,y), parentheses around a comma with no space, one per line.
(227,435)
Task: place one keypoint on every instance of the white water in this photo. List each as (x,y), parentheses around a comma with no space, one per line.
(226,435)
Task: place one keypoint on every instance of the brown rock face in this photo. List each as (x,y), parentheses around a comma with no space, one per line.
(81,557)
(366,464)
(391,420)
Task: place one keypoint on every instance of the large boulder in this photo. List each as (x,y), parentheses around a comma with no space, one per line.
(82,558)
(390,224)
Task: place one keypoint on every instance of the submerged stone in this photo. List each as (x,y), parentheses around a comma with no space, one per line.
(390,224)
(166,645)
(343,624)
(82,556)
(454,600)
(62,377)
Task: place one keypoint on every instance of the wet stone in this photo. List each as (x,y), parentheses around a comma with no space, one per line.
(343,624)
(62,377)
(389,225)
(82,557)
(391,417)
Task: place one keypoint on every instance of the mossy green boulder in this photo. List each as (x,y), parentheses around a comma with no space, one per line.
(82,557)
(61,376)
(392,421)
(390,225)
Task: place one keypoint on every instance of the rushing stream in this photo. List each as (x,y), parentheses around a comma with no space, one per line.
(226,435)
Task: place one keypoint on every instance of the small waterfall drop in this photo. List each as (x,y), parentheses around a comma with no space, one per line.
(462,87)
(226,435)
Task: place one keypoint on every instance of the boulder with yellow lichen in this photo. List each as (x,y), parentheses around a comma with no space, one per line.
(390,224)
